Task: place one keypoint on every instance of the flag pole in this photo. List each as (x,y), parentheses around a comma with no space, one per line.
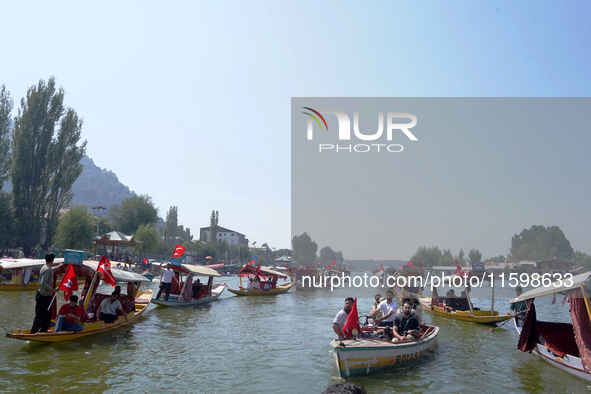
(51,303)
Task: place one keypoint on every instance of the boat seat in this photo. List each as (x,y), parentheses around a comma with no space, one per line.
(127,302)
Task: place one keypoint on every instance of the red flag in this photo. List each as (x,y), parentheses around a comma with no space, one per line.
(105,269)
(458,268)
(421,266)
(250,263)
(381,267)
(145,261)
(333,263)
(287,266)
(411,265)
(401,266)
(178,251)
(259,272)
(315,265)
(69,283)
(352,327)
(308,271)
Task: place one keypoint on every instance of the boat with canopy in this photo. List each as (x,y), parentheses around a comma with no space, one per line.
(257,281)
(566,346)
(134,303)
(436,306)
(24,274)
(188,292)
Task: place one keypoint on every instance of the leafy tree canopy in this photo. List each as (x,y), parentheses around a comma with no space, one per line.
(429,257)
(133,212)
(150,238)
(540,243)
(474,255)
(75,229)
(304,250)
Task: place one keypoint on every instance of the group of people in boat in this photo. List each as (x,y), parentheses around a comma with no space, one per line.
(169,276)
(392,323)
(256,283)
(71,316)
(454,303)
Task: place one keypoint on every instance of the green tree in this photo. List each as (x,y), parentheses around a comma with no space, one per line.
(213,226)
(150,238)
(474,255)
(5,111)
(6,221)
(171,226)
(339,257)
(460,257)
(446,258)
(429,257)
(184,233)
(327,255)
(304,249)
(582,259)
(497,259)
(75,229)
(133,212)
(540,243)
(45,162)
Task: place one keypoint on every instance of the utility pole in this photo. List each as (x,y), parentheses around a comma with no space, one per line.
(98,218)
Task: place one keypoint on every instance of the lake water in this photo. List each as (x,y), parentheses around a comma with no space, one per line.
(276,344)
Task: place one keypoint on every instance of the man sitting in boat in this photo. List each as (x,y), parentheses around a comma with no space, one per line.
(414,310)
(388,308)
(341,318)
(70,316)
(107,311)
(406,326)
(520,307)
(462,303)
(451,301)
(378,298)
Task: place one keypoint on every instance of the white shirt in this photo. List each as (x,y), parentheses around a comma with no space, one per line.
(167,275)
(386,308)
(341,318)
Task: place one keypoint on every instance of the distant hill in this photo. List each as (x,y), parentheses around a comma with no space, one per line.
(97,186)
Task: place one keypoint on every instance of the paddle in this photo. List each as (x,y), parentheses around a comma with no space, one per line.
(496,328)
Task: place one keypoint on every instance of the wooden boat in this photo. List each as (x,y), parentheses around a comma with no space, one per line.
(434,305)
(25,273)
(135,303)
(182,295)
(361,356)
(566,346)
(260,277)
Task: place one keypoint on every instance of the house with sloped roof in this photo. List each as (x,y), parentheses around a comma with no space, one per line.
(232,237)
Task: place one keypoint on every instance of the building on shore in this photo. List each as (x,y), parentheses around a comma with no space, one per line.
(232,237)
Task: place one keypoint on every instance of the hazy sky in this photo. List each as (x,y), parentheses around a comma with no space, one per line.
(189,102)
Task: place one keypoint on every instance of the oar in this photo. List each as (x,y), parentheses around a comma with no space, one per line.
(496,328)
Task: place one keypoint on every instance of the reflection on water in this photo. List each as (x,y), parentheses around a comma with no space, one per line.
(267,344)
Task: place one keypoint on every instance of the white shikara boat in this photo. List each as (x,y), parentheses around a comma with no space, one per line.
(186,296)
(566,346)
(362,356)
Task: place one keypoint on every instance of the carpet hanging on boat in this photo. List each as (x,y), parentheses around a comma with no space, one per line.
(581,326)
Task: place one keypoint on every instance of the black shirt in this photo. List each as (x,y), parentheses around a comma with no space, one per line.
(405,324)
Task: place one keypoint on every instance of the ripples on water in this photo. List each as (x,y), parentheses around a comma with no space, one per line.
(277,344)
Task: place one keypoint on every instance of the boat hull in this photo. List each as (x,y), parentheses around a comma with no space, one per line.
(481,317)
(366,355)
(89,328)
(215,294)
(257,292)
(15,287)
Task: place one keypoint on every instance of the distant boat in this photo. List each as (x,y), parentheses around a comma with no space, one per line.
(188,294)
(566,346)
(260,282)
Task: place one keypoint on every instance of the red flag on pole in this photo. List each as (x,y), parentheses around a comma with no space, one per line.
(308,271)
(333,263)
(287,266)
(381,267)
(178,251)
(421,266)
(250,263)
(315,265)
(145,261)
(105,269)
(458,268)
(352,327)
(69,283)
(411,265)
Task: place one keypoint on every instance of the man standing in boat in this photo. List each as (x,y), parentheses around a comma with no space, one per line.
(166,282)
(43,295)
(388,308)
(341,318)
(520,308)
